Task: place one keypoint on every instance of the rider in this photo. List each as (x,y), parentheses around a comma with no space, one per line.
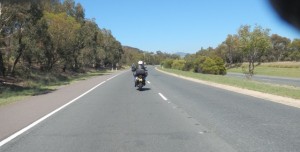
(140,69)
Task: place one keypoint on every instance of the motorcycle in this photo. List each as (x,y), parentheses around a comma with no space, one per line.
(140,82)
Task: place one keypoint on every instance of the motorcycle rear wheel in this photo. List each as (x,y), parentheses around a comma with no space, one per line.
(140,85)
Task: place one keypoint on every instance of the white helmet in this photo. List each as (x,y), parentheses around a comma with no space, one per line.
(140,62)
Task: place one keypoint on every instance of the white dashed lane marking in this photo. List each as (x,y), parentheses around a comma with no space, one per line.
(162,96)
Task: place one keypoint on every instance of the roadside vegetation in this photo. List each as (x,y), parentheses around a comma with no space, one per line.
(281,69)
(47,43)
(41,83)
(249,51)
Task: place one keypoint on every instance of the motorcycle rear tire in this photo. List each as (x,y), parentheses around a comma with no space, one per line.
(140,85)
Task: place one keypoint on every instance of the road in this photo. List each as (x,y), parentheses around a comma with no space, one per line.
(270,79)
(169,115)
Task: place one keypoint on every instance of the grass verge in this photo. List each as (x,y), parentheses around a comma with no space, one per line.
(285,91)
(40,83)
(282,69)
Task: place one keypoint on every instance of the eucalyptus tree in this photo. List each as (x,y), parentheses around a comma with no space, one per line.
(32,37)
(5,34)
(131,55)
(52,6)
(112,47)
(294,50)
(279,46)
(19,27)
(233,53)
(62,30)
(79,13)
(43,51)
(253,44)
(69,7)
(89,37)
(20,19)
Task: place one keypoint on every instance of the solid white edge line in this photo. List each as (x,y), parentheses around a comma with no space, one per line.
(162,96)
(8,139)
(112,77)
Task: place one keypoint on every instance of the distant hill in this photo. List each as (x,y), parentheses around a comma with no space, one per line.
(181,54)
(132,49)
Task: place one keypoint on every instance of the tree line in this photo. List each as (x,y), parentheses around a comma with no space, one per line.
(133,55)
(52,35)
(253,45)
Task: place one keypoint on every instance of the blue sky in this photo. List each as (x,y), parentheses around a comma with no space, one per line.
(181,25)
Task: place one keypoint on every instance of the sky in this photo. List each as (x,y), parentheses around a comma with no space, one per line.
(181,25)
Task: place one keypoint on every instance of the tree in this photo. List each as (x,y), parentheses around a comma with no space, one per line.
(79,13)
(52,6)
(4,35)
(69,7)
(253,44)
(31,36)
(62,30)
(91,36)
(131,55)
(52,34)
(113,48)
(20,24)
(44,53)
(232,52)
(279,46)
(19,32)
(294,50)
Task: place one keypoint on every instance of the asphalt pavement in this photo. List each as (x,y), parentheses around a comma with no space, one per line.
(169,115)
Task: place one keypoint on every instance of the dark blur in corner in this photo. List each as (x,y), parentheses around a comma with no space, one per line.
(288,10)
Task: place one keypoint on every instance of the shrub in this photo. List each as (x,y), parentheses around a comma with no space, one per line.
(221,65)
(213,66)
(209,66)
(198,62)
(188,66)
(178,64)
(168,63)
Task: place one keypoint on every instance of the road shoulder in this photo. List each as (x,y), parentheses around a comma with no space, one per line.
(265,96)
(17,115)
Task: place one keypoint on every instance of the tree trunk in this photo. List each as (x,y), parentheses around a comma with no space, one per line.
(251,67)
(76,64)
(230,56)
(20,52)
(2,68)
(15,63)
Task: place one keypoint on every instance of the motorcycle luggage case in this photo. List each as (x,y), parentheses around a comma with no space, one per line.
(140,72)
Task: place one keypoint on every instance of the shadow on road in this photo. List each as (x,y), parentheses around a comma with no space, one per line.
(145,89)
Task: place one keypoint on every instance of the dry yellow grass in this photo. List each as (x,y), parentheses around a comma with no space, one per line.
(283,69)
(287,64)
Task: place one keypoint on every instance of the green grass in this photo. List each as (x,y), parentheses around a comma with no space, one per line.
(286,91)
(282,69)
(40,83)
